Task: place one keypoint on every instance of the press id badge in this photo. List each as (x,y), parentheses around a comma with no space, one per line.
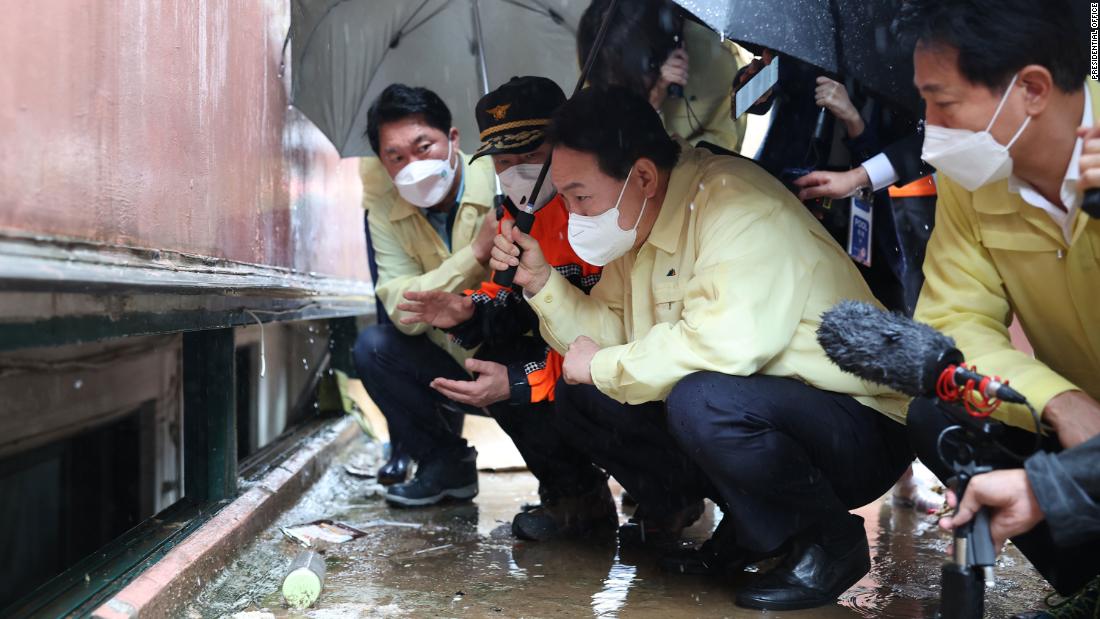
(859,228)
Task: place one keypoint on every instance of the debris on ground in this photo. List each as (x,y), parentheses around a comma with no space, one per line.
(304,580)
(325,531)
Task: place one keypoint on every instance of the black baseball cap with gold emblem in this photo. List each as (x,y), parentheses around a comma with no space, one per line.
(513,118)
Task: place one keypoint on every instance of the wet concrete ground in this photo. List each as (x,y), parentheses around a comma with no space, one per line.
(460,560)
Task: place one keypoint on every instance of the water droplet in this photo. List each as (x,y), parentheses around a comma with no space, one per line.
(78,384)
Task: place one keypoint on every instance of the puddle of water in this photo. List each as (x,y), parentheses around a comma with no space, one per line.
(461,560)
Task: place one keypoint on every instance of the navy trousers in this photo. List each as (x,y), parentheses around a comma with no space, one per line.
(785,458)
(396,370)
(633,445)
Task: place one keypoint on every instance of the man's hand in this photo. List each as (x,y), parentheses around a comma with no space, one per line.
(490,386)
(1075,417)
(483,242)
(834,185)
(833,96)
(1013,508)
(439,309)
(533,271)
(1090,159)
(673,71)
(577,367)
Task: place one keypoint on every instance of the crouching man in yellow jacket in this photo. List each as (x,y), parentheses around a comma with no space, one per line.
(693,365)
(1005,109)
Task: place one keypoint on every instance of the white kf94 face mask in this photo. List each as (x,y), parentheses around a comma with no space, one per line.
(518,181)
(598,239)
(426,182)
(973,159)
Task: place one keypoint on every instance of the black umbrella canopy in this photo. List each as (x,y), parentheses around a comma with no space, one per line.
(872,54)
(800,28)
(850,38)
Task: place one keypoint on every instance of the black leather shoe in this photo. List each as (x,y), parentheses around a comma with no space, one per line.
(808,578)
(396,469)
(714,556)
(718,555)
(443,476)
(661,532)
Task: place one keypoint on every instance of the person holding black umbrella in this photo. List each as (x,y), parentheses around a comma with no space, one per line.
(516,370)
(692,369)
(676,63)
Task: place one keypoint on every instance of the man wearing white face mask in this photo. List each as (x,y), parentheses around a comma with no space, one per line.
(1007,89)
(516,369)
(692,370)
(431,225)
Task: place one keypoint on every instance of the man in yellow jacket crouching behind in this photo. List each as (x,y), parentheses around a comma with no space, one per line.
(1007,93)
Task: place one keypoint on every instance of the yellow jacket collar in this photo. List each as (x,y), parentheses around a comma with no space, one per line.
(675,209)
(998,205)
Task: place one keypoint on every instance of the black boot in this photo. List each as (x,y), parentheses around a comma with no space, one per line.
(815,573)
(440,476)
(576,515)
(396,469)
(661,532)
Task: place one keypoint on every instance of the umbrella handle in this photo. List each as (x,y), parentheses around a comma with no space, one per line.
(524,221)
(819,128)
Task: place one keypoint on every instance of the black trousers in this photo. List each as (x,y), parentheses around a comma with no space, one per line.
(1066,569)
(631,443)
(396,370)
(785,458)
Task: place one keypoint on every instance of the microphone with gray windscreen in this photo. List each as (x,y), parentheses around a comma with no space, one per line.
(892,350)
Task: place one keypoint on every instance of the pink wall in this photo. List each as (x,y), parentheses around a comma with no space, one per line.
(164,123)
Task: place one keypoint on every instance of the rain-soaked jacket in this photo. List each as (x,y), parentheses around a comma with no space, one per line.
(993,255)
(1067,487)
(733,278)
(410,254)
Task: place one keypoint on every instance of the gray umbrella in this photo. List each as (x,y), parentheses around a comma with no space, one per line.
(344,52)
(846,37)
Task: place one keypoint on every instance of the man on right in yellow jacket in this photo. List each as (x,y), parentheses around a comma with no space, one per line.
(1007,90)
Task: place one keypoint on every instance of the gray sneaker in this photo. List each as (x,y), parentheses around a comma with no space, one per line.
(446,476)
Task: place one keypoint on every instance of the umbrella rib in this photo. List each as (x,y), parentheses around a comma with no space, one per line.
(523,6)
(543,10)
(838,40)
(400,32)
(309,38)
(426,19)
(401,29)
